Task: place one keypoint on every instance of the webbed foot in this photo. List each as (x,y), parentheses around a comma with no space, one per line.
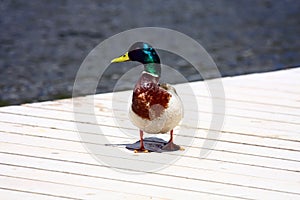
(170,146)
(141,151)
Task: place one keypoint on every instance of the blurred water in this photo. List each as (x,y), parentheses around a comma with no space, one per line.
(44,42)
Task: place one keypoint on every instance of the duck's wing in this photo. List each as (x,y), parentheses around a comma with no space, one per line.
(171,90)
(168,87)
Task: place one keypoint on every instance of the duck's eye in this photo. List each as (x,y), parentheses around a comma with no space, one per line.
(124,55)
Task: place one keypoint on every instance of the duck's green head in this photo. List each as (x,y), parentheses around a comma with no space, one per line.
(143,53)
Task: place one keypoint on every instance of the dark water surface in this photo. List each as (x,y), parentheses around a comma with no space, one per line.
(43,43)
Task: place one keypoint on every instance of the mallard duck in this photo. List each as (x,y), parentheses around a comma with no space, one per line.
(155,108)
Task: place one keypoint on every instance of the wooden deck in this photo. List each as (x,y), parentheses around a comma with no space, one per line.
(257,155)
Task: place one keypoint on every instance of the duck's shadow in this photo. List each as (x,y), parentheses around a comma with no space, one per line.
(152,144)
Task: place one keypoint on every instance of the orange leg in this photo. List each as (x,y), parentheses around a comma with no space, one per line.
(170,146)
(142,148)
(171,136)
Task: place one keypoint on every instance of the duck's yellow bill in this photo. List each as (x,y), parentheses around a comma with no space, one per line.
(122,58)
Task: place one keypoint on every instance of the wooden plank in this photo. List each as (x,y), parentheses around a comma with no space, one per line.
(71,171)
(63,173)
(203,164)
(247,158)
(226,145)
(63,118)
(12,193)
(33,187)
(257,153)
(251,117)
(254,116)
(244,123)
(58,124)
(207,164)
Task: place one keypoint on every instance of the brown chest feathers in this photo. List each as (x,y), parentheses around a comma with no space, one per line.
(149,100)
